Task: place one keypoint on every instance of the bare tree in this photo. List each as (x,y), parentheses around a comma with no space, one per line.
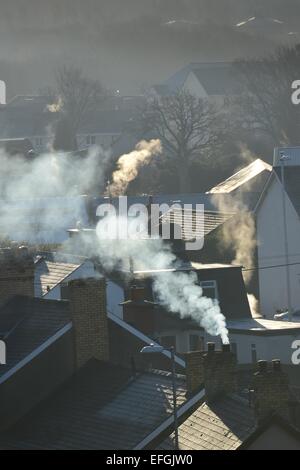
(78,96)
(266,105)
(187,126)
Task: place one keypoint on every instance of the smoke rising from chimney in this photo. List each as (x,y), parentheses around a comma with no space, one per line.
(59,174)
(239,237)
(175,289)
(129,164)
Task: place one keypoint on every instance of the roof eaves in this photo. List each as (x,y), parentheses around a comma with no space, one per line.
(36,352)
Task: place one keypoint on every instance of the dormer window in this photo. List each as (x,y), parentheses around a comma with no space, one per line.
(210,289)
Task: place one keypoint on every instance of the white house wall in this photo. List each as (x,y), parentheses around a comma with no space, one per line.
(266,347)
(270,234)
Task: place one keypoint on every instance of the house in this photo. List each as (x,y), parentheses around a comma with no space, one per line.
(251,338)
(278,251)
(32,117)
(213,80)
(101,407)
(226,419)
(54,270)
(43,220)
(28,117)
(20,147)
(49,341)
(251,178)
(75,378)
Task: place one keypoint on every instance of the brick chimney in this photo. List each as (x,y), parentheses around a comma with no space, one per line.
(138,311)
(220,376)
(194,371)
(88,310)
(16,273)
(271,390)
(215,369)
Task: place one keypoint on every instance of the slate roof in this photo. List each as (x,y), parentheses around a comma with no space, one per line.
(195,224)
(17,146)
(246,176)
(48,274)
(216,78)
(27,116)
(101,407)
(223,425)
(26,323)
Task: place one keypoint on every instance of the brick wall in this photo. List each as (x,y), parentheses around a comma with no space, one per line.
(194,362)
(271,390)
(88,310)
(16,273)
(220,374)
(215,369)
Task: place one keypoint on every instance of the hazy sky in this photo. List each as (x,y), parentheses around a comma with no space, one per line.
(129,44)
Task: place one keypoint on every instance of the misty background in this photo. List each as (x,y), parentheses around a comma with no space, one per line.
(131,44)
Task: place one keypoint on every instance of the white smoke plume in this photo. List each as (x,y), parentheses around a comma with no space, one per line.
(177,290)
(238,233)
(41,195)
(129,164)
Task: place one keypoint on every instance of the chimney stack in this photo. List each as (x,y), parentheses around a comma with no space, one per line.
(216,370)
(16,273)
(194,371)
(219,372)
(88,311)
(271,390)
(138,311)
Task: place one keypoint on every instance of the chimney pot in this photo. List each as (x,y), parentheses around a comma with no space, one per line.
(262,365)
(211,346)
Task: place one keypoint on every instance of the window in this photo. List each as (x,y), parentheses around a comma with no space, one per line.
(90,139)
(168,341)
(39,141)
(253,354)
(196,343)
(210,289)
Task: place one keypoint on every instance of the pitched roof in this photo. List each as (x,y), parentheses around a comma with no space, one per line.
(223,425)
(48,274)
(101,407)
(194,224)
(25,116)
(26,323)
(17,146)
(246,176)
(216,78)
